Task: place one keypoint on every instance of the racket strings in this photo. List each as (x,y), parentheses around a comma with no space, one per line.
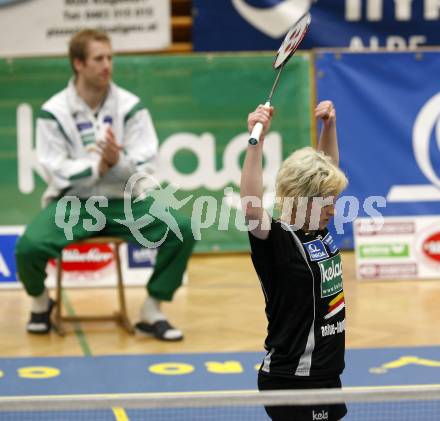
(292,40)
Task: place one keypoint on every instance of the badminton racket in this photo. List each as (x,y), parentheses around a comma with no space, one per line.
(288,47)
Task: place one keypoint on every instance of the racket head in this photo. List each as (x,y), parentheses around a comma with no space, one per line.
(292,40)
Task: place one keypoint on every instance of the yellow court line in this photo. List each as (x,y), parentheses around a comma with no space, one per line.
(207,393)
(120,414)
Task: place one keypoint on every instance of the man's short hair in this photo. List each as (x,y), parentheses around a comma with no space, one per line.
(79,43)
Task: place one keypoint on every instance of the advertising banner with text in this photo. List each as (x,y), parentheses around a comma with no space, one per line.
(199,104)
(245,25)
(84,265)
(388,108)
(398,247)
(44,27)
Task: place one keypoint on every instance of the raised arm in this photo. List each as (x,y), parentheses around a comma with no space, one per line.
(251,185)
(328,139)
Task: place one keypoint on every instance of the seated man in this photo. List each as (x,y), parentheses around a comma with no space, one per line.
(92,137)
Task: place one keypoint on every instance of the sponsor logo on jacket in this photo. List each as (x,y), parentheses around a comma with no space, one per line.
(328,240)
(319,415)
(332,329)
(316,250)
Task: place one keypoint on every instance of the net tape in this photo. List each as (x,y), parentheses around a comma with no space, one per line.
(221,399)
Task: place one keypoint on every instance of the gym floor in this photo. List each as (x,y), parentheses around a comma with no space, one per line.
(392,338)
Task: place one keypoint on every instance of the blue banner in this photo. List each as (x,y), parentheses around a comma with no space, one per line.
(8,238)
(234,25)
(388,112)
(140,257)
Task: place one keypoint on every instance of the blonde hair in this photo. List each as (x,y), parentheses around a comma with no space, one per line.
(308,173)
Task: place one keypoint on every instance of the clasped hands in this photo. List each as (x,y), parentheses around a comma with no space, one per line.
(109,151)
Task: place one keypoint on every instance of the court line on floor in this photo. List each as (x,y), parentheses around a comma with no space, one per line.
(81,336)
(120,414)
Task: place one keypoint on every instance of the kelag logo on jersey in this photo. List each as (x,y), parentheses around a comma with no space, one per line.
(316,250)
(331,276)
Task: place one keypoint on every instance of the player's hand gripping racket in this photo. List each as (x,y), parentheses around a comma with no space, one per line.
(290,44)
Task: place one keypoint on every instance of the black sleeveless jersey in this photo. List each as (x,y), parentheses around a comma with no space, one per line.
(301,278)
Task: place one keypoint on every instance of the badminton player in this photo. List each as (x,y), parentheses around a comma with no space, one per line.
(299,267)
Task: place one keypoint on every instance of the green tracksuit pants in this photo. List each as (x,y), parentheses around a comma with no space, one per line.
(44,239)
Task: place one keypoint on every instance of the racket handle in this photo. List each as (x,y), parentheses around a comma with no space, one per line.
(256,131)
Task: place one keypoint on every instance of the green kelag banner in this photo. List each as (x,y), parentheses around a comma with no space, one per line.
(199,104)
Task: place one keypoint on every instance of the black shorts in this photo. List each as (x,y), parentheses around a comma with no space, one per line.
(301,413)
